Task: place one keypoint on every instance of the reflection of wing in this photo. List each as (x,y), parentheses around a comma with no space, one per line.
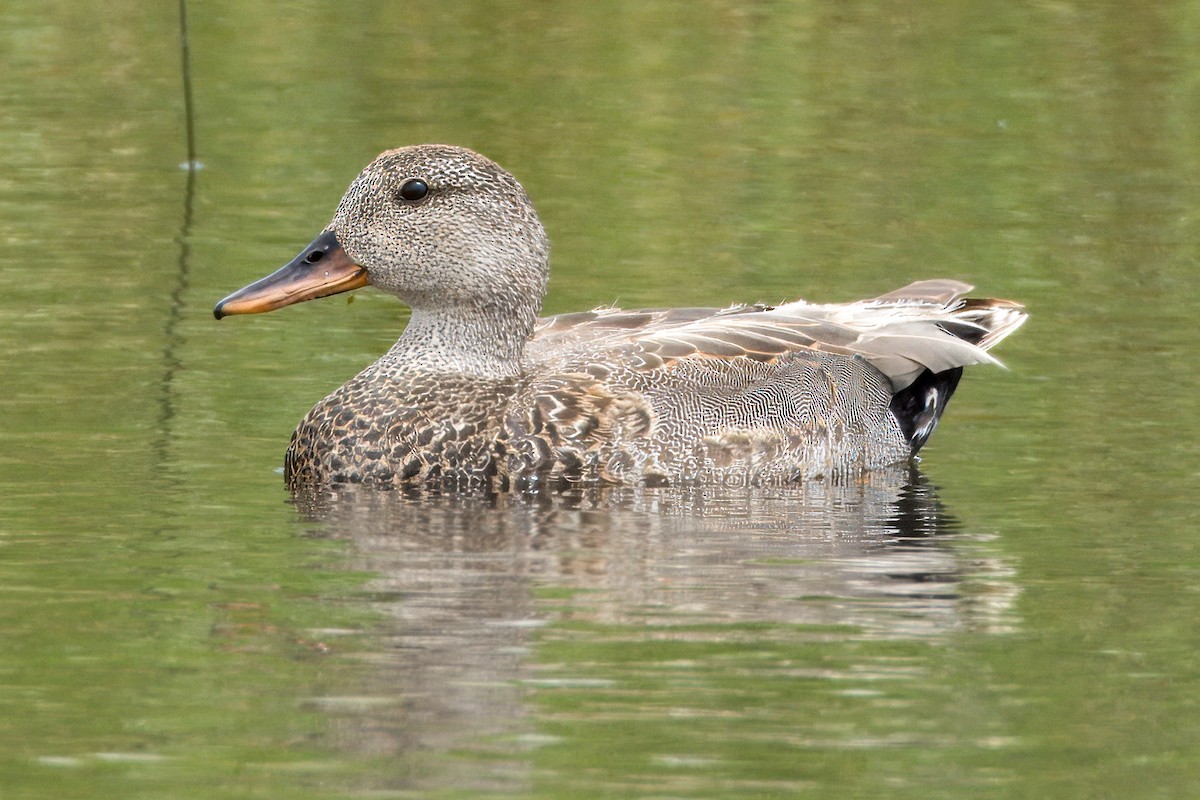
(926,325)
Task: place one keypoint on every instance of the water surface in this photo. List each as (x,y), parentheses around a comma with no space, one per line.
(1014,619)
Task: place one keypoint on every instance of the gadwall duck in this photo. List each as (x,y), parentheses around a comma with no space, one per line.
(479,391)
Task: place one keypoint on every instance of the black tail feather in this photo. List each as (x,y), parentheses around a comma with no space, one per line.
(919,406)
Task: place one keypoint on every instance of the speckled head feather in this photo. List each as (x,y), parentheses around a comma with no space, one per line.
(470,250)
(473,238)
(479,392)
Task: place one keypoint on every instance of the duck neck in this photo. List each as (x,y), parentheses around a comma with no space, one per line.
(475,342)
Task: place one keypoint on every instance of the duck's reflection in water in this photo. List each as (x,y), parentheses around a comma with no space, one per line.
(466,585)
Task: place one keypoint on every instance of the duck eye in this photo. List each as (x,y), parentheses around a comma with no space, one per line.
(414,190)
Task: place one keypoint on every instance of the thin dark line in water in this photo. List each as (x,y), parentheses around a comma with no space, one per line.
(172,339)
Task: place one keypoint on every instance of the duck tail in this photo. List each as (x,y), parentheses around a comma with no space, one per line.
(979,322)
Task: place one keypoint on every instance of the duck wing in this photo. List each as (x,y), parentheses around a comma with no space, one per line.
(928,325)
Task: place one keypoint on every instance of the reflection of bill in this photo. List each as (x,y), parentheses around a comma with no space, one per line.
(464,581)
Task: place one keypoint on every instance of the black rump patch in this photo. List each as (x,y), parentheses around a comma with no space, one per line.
(919,406)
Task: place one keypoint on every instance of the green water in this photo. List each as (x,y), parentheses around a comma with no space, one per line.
(1018,620)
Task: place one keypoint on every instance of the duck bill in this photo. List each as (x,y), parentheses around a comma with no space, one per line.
(323,268)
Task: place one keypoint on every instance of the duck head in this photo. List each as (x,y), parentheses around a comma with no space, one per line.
(449,232)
